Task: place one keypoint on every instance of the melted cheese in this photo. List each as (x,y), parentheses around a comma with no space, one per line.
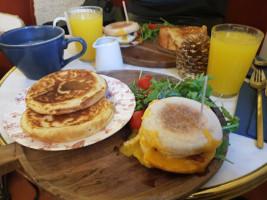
(211,144)
(132,148)
(147,148)
(124,38)
(177,165)
(120,32)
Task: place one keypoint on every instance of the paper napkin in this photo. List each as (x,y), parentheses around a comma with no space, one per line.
(246,110)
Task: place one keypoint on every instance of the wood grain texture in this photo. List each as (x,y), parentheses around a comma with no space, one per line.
(100,171)
(148,54)
(9,155)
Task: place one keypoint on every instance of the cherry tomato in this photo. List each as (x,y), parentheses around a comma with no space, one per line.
(139,32)
(153,26)
(135,121)
(144,82)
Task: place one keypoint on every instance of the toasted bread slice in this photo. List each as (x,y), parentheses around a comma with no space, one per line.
(172,38)
(67,127)
(66,91)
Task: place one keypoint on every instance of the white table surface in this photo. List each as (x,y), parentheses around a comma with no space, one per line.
(242,151)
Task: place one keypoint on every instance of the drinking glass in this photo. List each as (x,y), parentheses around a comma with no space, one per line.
(85,22)
(232,50)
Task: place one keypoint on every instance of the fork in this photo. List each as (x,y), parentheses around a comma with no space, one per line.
(260,63)
(258,82)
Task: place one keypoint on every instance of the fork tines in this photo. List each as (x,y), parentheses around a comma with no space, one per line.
(258,75)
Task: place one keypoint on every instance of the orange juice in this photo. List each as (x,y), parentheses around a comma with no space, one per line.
(87,25)
(230,57)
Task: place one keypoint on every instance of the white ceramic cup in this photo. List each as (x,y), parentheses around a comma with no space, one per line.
(108,54)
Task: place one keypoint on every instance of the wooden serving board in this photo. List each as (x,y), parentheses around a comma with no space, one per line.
(148,54)
(100,171)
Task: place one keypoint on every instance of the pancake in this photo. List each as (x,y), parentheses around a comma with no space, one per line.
(67,127)
(66,91)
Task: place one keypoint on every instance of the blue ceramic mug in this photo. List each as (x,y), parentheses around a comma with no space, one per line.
(38,50)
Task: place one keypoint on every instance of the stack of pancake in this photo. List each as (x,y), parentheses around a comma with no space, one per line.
(66,106)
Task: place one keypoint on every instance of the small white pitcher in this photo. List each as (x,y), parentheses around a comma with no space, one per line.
(108,54)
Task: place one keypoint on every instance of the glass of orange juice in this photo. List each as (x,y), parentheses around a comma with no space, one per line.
(232,50)
(85,22)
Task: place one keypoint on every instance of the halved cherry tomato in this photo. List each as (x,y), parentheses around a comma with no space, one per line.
(136,121)
(144,82)
(152,26)
(139,32)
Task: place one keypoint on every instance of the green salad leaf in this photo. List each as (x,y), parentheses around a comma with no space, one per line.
(221,150)
(149,31)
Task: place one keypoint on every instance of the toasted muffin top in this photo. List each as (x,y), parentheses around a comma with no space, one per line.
(120,28)
(174,120)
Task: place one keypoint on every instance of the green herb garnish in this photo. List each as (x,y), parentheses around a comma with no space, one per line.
(221,150)
(150,31)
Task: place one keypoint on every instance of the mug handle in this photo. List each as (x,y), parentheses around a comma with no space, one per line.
(65,45)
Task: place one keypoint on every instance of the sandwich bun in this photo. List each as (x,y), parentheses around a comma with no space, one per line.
(120,28)
(124,31)
(169,137)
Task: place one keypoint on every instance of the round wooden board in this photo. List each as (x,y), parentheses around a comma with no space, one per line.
(148,54)
(100,171)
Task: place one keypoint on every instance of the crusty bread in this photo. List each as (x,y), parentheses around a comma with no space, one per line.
(66,91)
(172,38)
(67,127)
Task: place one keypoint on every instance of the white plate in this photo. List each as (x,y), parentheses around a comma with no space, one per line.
(8,22)
(118,94)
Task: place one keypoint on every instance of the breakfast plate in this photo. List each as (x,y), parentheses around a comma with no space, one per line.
(118,94)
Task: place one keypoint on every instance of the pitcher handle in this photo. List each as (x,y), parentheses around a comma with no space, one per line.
(65,45)
(59,19)
(63,19)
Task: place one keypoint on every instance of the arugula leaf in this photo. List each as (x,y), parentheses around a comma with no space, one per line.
(232,123)
(189,88)
(147,33)
(221,150)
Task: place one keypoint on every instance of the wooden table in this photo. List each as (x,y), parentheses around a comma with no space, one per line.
(250,163)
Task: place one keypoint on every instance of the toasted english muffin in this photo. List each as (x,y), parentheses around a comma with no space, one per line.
(67,127)
(169,137)
(66,91)
(120,28)
(176,121)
